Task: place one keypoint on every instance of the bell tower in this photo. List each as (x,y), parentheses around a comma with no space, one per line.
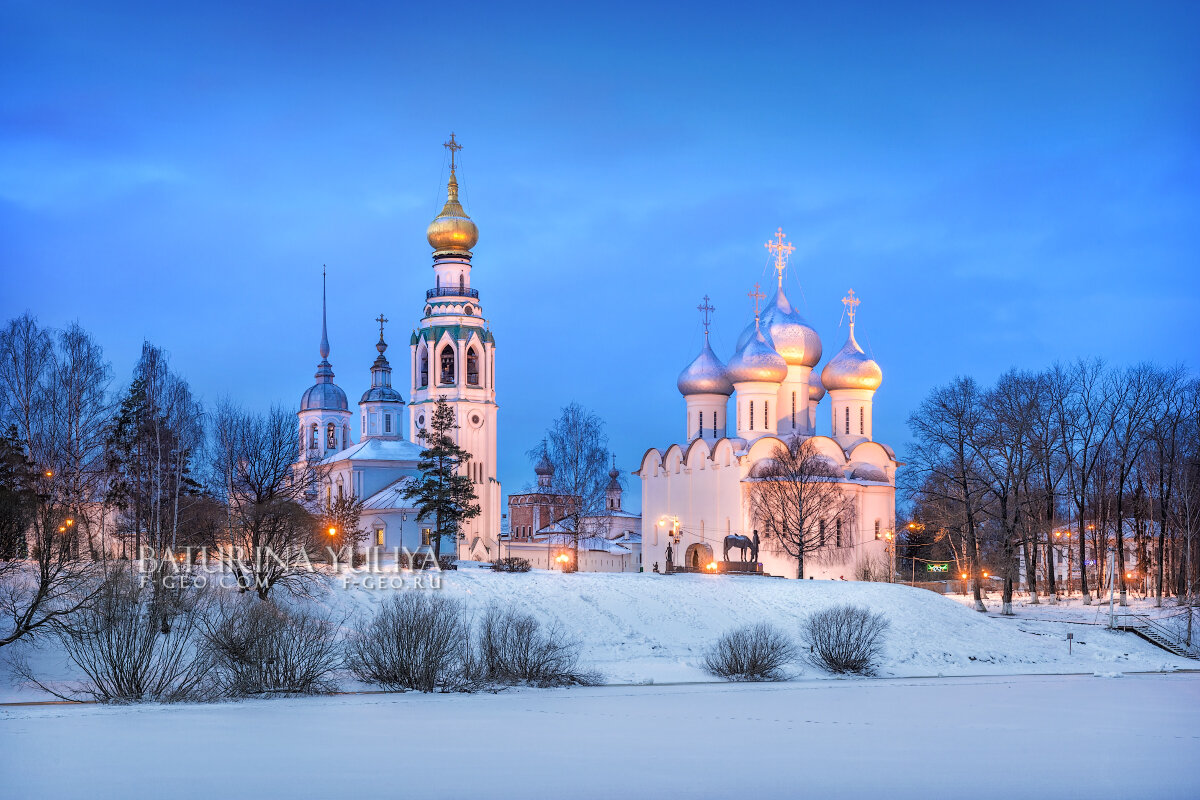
(454,357)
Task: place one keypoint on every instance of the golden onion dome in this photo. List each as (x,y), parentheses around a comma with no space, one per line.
(452,231)
(851,368)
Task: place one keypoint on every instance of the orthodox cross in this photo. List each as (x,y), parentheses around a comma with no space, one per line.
(756,295)
(453,147)
(381,319)
(781,252)
(851,303)
(705,310)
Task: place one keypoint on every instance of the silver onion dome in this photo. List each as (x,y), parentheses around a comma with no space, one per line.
(705,375)
(544,467)
(851,368)
(787,332)
(815,390)
(757,361)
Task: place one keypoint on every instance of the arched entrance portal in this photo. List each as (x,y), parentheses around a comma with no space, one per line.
(698,557)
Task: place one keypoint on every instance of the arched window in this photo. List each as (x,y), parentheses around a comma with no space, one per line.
(424,359)
(462,282)
(472,367)
(313,441)
(447,365)
(876,529)
(862,420)
(331,436)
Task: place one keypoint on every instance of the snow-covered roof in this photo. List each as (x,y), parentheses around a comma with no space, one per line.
(390,496)
(378,450)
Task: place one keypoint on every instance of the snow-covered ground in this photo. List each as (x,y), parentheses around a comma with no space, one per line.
(1016,737)
(654,628)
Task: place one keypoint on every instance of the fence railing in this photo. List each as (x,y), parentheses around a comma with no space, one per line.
(451,291)
(1166,626)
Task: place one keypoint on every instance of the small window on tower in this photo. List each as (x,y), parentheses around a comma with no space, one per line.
(331,436)
(751,415)
(862,421)
(766,415)
(701,428)
(387,423)
(847,419)
(424,367)
(472,367)
(447,365)
(313,441)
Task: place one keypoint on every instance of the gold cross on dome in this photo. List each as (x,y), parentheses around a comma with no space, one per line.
(381,319)
(781,252)
(756,295)
(851,303)
(705,310)
(453,147)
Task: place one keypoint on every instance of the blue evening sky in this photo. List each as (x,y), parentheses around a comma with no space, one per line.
(1003,184)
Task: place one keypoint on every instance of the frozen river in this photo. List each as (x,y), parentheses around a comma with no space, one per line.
(1026,737)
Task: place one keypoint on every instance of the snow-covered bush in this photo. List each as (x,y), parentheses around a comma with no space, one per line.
(132,644)
(511,564)
(845,639)
(257,647)
(757,653)
(513,647)
(418,640)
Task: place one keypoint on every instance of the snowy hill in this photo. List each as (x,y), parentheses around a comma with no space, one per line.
(654,629)
(641,628)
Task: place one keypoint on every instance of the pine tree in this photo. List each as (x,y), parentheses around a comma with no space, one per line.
(18,496)
(443,491)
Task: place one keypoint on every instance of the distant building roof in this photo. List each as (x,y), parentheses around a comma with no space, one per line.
(378,450)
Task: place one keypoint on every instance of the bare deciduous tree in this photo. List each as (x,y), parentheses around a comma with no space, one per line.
(269,529)
(944,461)
(795,496)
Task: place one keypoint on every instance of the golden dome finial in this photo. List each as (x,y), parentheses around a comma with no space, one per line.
(452,231)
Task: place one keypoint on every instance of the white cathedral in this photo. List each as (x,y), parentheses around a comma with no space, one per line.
(452,354)
(695,492)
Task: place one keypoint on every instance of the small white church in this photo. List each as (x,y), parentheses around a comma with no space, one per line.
(452,356)
(695,492)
